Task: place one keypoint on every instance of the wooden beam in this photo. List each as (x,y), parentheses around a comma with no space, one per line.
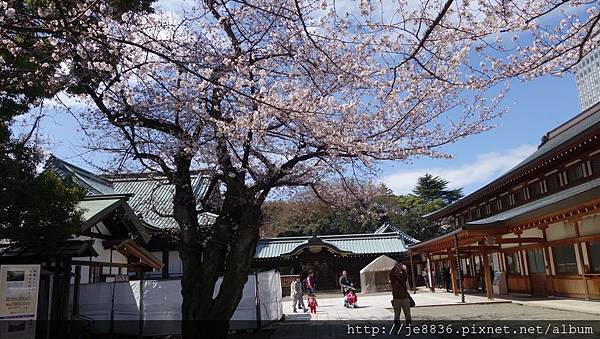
(479,248)
(519,240)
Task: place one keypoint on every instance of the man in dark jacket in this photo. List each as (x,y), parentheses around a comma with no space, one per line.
(345,284)
(400,301)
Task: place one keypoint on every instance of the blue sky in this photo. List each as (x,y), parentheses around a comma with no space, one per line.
(541,105)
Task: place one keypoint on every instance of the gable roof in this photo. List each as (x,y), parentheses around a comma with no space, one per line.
(93,184)
(368,243)
(564,135)
(386,228)
(150,196)
(99,207)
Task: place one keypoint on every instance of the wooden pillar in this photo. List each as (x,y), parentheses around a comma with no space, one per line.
(488,278)
(452,259)
(547,258)
(165,262)
(412,273)
(581,260)
(76,285)
(431,287)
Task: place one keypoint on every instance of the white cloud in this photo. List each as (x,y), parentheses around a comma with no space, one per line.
(486,167)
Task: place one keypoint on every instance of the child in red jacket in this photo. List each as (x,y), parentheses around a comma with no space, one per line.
(312,304)
(351,299)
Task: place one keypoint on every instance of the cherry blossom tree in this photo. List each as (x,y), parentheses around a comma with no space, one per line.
(268,94)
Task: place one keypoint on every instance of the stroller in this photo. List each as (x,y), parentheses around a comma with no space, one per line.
(350,298)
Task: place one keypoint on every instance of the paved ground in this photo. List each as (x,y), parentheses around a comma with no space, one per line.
(446,306)
(332,320)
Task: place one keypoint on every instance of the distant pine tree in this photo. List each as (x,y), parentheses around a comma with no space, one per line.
(430,188)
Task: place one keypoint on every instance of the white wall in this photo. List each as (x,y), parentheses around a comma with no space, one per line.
(590,225)
(560,230)
(104,255)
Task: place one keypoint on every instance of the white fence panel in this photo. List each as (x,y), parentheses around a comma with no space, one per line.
(153,300)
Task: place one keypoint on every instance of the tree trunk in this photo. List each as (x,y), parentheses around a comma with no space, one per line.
(227,251)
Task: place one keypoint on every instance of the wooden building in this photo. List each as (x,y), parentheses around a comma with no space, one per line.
(117,235)
(131,215)
(537,226)
(328,255)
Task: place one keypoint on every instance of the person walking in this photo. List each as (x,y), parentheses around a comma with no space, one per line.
(400,296)
(309,282)
(345,285)
(296,293)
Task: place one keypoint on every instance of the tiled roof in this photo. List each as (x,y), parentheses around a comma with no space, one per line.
(65,249)
(580,125)
(391,228)
(591,188)
(93,184)
(369,243)
(152,198)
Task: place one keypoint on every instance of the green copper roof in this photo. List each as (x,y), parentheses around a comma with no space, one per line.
(152,198)
(370,243)
(90,182)
(149,196)
(97,208)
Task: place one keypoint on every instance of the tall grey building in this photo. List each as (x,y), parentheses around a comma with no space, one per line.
(587,73)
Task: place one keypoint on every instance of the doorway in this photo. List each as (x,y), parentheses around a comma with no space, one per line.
(537,272)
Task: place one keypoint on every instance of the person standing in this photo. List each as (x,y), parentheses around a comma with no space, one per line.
(425,277)
(296,293)
(401,298)
(309,282)
(345,285)
(448,279)
(438,279)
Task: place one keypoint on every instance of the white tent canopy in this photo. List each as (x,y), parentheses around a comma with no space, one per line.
(375,276)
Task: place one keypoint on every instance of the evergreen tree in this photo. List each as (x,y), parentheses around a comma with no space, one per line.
(34,208)
(430,188)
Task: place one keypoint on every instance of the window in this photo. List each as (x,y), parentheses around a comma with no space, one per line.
(575,172)
(512,263)
(535,189)
(505,201)
(595,162)
(553,181)
(95,274)
(494,206)
(519,196)
(483,210)
(536,261)
(564,259)
(594,253)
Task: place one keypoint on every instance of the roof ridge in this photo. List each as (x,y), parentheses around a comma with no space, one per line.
(94,176)
(592,113)
(570,123)
(334,236)
(143,175)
